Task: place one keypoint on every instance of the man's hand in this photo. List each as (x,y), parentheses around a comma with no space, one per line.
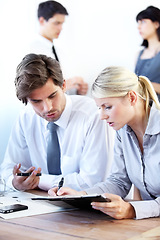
(25,183)
(82,89)
(77,83)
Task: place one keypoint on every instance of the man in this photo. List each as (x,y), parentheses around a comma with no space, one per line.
(81,133)
(51,16)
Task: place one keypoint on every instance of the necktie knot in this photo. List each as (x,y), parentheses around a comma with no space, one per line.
(51,126)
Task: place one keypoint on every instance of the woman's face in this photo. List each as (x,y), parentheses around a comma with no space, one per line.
(117,111)
(147,28)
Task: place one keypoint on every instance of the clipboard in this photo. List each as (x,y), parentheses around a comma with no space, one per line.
(83,201)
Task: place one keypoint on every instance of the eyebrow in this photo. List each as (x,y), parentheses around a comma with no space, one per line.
(51,95)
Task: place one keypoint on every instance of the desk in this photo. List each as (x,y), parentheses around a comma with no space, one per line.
(75,225)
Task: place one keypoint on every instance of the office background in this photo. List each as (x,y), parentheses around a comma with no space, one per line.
(96,34)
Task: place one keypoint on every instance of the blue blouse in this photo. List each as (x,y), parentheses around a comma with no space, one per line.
(149,68)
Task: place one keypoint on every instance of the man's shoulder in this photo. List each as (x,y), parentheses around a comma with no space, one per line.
(82,101)
(29,118)
(84,105)
(40,45)
(27,113)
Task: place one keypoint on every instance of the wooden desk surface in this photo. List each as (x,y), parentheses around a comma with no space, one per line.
(78,224)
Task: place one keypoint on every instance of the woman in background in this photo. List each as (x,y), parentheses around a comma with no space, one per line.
(148,62)
(130,106)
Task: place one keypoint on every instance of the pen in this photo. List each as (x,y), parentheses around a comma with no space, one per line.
(27,174)
(60,184)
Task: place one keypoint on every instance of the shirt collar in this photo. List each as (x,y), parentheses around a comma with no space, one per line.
(154,117)
(44,40)
(64,119)
(152,126)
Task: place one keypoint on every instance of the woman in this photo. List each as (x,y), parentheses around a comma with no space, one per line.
(148,62)
(130,106)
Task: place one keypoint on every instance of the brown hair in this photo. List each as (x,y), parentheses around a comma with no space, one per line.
(33,72)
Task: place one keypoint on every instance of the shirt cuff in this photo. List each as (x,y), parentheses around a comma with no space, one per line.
(9,183)
(146,209)
(47,181)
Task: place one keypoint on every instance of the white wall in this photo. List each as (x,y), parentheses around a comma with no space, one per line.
(97,33)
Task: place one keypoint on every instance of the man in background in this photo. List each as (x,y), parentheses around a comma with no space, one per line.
(51,16)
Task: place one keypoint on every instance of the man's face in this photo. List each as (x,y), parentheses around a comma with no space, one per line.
(51,29)
(48,101)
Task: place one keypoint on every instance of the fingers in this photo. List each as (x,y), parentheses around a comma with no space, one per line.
(16,168)
(30,170)
(34,183)
(77,80)
(62,191)
(117,208)
(82,89)
(23,183)
(53,191)
(106,207)
(34,172)
(78,83)
(67,191)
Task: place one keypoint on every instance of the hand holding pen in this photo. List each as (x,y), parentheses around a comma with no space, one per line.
(53,191)
(27,180)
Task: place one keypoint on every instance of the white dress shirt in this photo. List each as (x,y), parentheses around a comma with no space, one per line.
(82,139)
(131,166)
(41,45)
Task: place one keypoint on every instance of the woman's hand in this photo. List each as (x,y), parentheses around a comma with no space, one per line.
(117,208)
(65,191)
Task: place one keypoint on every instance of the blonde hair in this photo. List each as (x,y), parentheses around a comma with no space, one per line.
(117,81)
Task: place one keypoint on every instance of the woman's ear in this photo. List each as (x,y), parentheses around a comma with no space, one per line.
(156,24)
(132,95)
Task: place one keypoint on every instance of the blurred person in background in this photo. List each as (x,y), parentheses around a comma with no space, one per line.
(148,62)
(51,17)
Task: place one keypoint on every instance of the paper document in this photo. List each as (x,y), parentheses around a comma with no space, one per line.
(34,207)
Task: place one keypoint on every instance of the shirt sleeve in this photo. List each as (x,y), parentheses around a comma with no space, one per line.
(16,152)
(147,209)
(118,181)
(88,169)
(93,159)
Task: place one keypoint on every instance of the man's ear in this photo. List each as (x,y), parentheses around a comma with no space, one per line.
(64,85)
(41,20)
(132,95)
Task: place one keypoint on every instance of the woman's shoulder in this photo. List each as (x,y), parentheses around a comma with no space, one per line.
(139,53)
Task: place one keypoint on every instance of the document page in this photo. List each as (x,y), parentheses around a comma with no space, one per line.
(34,207)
